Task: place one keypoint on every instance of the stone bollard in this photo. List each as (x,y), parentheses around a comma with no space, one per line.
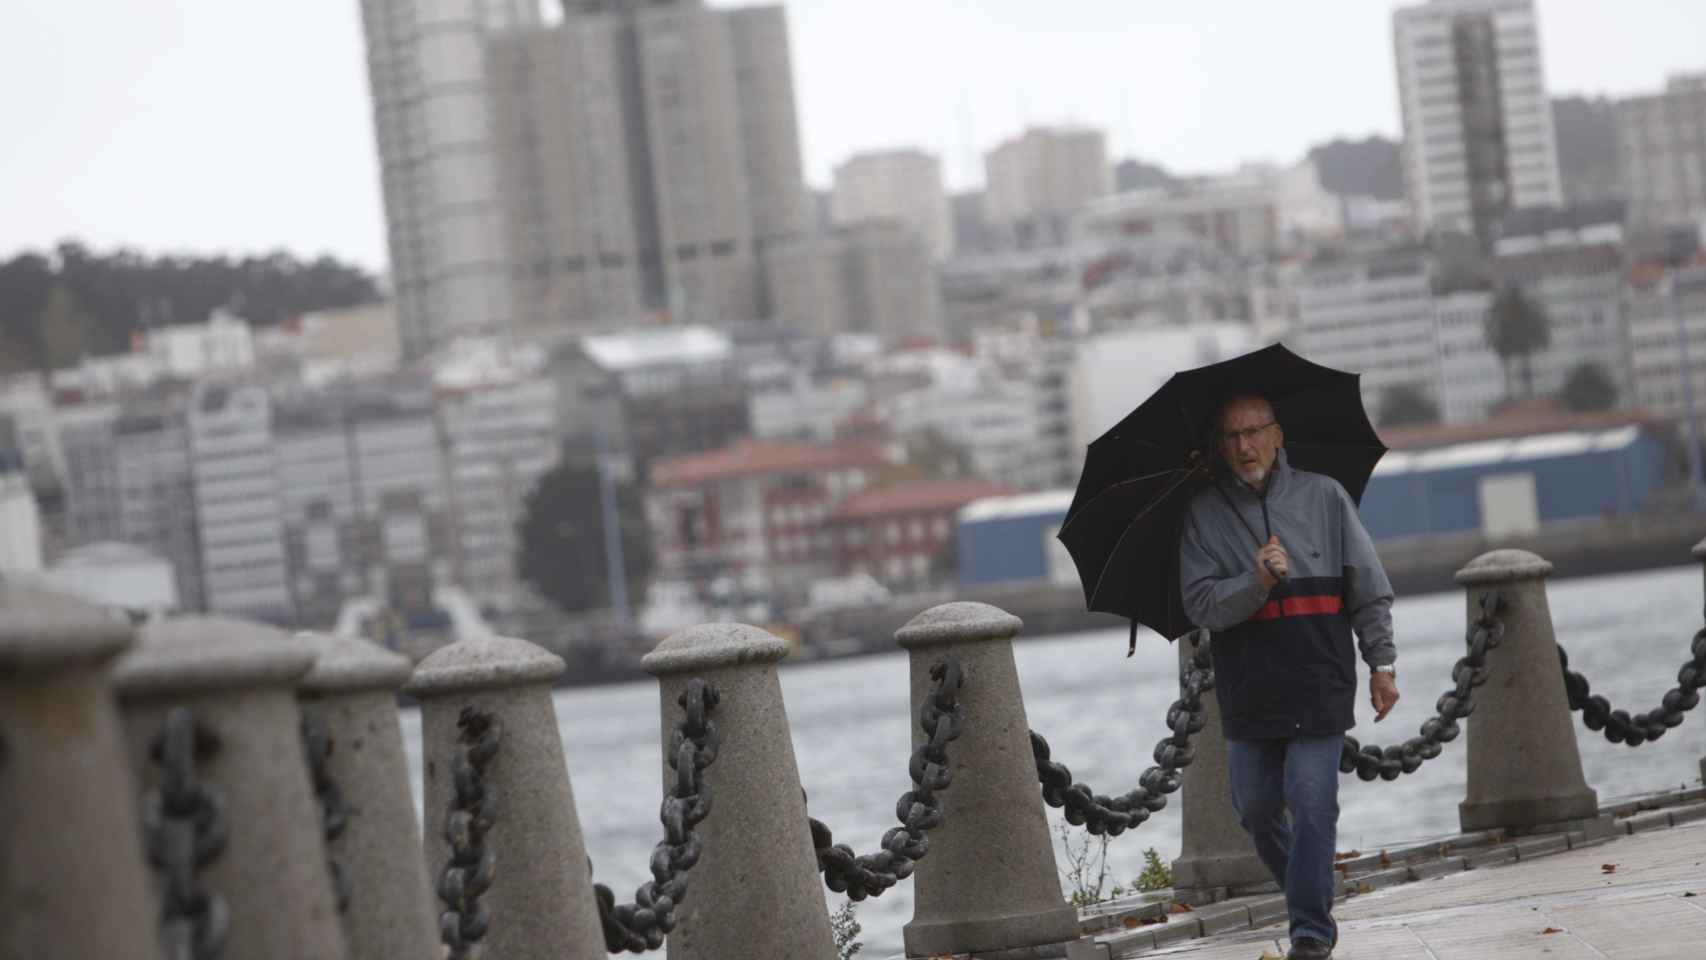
(349,702)
(990,881)
(1700,556)
(1214,850)
(237,682)
(539,902)
(73,882)
(1525,768)
(756,891)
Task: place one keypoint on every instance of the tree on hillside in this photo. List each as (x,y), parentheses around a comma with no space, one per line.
(1517,328)
(561,534)
(1405,405)
(1588,387)
(115,294)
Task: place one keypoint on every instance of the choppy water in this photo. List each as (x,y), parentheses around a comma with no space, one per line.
(1102,714)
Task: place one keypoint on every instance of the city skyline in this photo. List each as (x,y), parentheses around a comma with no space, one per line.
(135,160)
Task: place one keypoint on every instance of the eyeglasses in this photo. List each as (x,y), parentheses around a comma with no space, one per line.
(1233,437)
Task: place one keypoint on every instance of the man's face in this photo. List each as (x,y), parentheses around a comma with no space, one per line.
(1249,439)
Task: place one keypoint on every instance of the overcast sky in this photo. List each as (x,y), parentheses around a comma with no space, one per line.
(244,126)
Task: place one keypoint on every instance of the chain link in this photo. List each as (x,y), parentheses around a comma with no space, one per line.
(1389,763)
(334,813)
(1618,725)
(473,810)
(942,717)
(184,828)
(643,924)
(1100,814)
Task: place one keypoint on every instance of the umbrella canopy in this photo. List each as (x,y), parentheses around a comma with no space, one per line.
(1122,529)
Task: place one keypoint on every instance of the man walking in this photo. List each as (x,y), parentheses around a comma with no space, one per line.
(1276,564)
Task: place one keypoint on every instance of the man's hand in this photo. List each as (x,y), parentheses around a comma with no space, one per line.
(1383,694)
(1272,563)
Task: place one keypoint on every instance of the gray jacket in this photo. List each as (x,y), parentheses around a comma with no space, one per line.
(1283,656)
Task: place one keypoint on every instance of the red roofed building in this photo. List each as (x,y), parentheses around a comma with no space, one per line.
(898,534)
(756,511)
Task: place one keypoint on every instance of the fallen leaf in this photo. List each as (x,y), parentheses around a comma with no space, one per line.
(1269,956)
(1132,923)
(1608,867)
(1550,930)
(1182,908)
(1347,855)
(1385,859)
(1365,888)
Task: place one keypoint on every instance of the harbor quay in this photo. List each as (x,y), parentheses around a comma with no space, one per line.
(211,789)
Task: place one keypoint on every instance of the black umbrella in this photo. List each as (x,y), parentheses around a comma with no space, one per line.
(1123,527)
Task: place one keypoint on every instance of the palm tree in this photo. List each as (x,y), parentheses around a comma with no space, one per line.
(1517,327)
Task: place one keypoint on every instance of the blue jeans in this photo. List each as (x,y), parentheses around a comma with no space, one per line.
(1299,775)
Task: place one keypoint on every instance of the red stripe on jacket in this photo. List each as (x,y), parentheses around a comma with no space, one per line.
(1299,607)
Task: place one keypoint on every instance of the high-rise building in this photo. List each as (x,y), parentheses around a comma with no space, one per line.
(450,260)
(1478,137)
(900,185)
(873,278)
(648,153)
(1662,149)
(1036,180)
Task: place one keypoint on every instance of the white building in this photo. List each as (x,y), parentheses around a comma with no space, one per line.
(1570,262)
(800,408)
(500,437)
(1659,303)
(20,519)
(899,185)
(1663,153)
(117,575)
(1478,137)
(1256,211)
(1116,372)
(239,516)
(1379,315)
(156,490)
(222,345)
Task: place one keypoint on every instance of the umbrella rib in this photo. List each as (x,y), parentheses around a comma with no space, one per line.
(1111,487)
(1127,532)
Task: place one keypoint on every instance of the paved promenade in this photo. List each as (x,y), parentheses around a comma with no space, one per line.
(1633,896)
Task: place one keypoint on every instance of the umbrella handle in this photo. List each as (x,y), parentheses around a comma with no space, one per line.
(1272,572)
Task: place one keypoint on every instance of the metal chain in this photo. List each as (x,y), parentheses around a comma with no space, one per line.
(184,827)
(473,810)
(643,924)
(334,813)
(1470,671)
(941,716)
(1100,814)
(1618,725)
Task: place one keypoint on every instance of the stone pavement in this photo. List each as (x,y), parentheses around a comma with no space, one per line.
(1650,905)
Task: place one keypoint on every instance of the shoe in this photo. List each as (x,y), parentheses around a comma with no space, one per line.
(1309,948)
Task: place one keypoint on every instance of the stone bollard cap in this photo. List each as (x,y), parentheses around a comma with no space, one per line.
(958,623)
(1503,566)
(41,629)
(351,664)
(202,654)
(711,645)
(483,663)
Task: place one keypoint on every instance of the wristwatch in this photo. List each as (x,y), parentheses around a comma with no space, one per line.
(1389,669)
